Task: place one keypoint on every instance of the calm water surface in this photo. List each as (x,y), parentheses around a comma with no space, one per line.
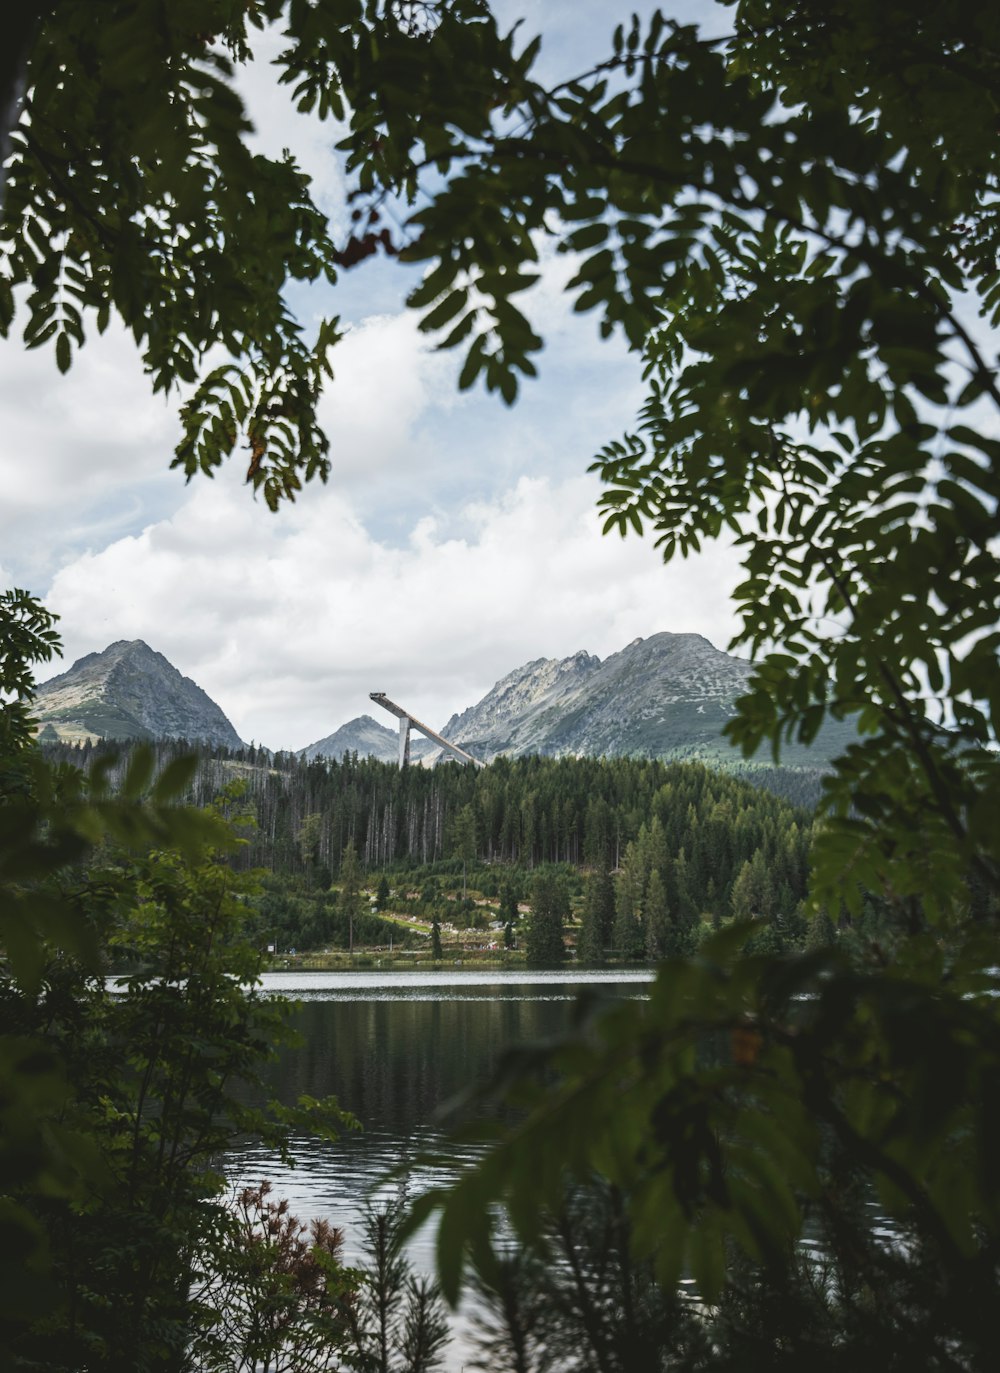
(394,1048)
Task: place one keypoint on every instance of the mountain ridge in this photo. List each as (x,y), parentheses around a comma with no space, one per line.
(666,696)
(655,696)
(362,735)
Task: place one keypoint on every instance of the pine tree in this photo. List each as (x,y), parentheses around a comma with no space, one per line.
(605,898)
(657,919)
(598,918)
(629,942)
(753,890)
(508,911)
(549,905)
(682,902)
(465,841)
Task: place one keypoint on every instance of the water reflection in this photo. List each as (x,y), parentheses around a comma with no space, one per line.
(394,1050)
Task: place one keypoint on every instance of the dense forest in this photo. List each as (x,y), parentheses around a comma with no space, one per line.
(649,850)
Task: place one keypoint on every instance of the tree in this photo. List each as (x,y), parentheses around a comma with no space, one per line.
(507,909)
(132,189)
(276,1294)
(656,918)
(282,1300)
(197,1031)
(544,944)
(753,891)
(399,1320)
(598,917)
(118,1101)
(350,890)
(465,841)
(629,938)
(685,912)
(27,636)
(52,823)
(859,366)
(310,843)
(578,1300)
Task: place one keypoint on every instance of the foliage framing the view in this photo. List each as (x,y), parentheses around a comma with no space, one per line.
(117,1102)
(133,191)
(796,225)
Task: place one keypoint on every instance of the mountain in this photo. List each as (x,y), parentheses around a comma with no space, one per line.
(516,698)
(129,692)
(662,694)
(363,736)
(668,696)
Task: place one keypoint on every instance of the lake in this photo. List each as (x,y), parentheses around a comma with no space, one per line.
(394,1048)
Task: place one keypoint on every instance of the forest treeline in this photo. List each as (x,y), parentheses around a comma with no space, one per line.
(718,845)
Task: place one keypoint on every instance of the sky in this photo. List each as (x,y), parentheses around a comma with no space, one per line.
(456,539)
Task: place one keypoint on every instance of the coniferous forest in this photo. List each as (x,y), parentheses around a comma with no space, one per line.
(650,851)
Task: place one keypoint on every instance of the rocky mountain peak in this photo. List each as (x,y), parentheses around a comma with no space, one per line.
(520,691)
(363,736)
(129,691)
(668,695)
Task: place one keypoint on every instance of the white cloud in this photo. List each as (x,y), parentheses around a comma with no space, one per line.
(278,125)
(289,621)
(85,456)
(385,379)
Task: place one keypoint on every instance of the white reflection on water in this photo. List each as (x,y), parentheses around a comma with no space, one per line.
(438,984)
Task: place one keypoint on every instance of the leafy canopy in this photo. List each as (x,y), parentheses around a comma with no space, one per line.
(132,190)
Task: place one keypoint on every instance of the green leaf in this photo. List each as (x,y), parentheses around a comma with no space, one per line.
(175,779)
(444,311)
(64,355)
